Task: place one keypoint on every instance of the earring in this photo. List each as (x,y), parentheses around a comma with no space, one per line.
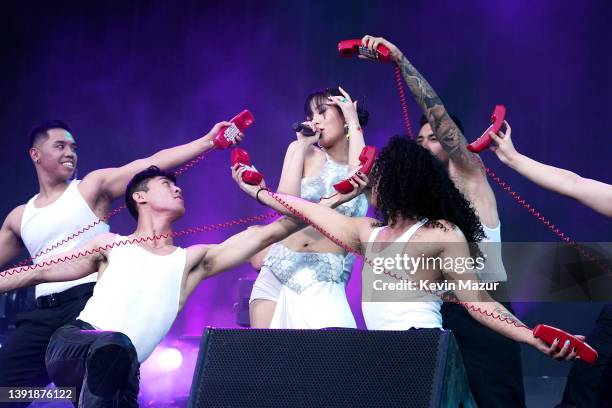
(346,131)
(37,161)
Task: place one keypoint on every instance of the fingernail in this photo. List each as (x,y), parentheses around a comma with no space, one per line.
(567,342)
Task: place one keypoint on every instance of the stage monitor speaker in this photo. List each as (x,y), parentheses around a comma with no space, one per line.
(330,368)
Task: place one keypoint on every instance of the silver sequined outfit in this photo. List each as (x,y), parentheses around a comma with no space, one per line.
(299,270)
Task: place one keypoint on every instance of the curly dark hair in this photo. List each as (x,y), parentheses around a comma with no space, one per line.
(412,182)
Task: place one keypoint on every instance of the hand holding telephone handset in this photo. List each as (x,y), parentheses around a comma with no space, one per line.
(241,157)
(366,158)
(548,334)
(497,120)
(227,135)
(348,48)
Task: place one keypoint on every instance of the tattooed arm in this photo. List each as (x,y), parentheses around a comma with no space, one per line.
(443,126)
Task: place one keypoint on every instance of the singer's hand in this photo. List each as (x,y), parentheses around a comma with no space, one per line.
(308,140)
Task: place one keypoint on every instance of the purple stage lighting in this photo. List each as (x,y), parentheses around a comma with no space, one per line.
(170,359)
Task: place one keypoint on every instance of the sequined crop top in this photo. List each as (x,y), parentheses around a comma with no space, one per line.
(313,188)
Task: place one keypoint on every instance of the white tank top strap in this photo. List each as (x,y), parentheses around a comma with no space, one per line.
(492,234)
(372,238)
(405,237)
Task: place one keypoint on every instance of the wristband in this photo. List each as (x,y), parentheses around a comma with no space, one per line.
(257,194)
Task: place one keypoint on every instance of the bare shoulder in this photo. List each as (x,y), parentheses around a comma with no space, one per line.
(442,231)
(315,154)
(313,161)
(16,213)
(366,225)
(13,219)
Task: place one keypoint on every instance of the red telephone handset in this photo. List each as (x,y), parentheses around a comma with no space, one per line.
(240,156)
(497,120)
(348,48)
(548,334)
(367,157)
(227,135)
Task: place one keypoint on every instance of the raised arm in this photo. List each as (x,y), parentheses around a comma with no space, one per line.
(443,126)
(56,268)
(112,181)
(592,193)
(10,240)
(355,132)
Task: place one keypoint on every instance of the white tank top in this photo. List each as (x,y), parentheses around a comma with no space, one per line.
(43,227)
(399,315)
(138,295)
(494,270)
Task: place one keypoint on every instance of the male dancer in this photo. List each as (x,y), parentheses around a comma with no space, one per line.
(59,209)
(483,350)
(141,289)
(587,385)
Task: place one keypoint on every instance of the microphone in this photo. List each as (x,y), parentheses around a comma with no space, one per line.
(303,129)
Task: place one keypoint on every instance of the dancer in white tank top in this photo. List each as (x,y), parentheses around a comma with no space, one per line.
(47,225)
(411,314)
(140,290)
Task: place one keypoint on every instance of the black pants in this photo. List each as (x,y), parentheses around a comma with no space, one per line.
(590,385)
(102,365)
(22,356)
(492,361)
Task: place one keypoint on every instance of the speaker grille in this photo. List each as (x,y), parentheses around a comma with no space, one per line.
(319,368)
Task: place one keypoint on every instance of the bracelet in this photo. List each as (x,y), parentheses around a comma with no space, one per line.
(257,194)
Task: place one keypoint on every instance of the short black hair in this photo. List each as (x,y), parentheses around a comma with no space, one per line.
(39,131)
(139,183)
(455,119)
(319,98)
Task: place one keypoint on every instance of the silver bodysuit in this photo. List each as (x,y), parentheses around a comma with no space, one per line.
(299,270)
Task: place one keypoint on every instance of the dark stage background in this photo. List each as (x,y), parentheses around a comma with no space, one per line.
(134,77)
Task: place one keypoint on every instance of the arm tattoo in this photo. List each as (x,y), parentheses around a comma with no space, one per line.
(498,311)
(445,129)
